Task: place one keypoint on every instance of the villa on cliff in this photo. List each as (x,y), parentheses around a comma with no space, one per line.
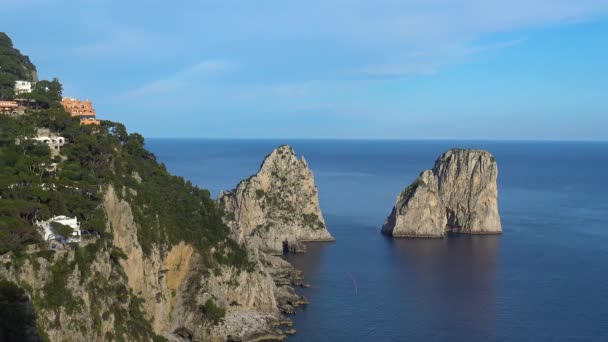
(54,140)
(82,109)
(22,87)
(51,229)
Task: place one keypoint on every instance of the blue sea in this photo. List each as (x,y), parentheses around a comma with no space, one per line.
(544,279)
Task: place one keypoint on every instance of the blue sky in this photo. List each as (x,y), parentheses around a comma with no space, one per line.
(433,69)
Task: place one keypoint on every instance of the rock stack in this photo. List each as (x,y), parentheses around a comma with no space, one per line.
(278,208)
(459,194)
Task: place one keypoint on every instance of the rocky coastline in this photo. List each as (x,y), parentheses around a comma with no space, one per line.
(273,212)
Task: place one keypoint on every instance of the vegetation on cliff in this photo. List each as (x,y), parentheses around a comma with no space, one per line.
(13,66)
(167,209)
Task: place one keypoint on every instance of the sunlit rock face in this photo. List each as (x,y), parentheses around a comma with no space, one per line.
(459,194)
(278,208)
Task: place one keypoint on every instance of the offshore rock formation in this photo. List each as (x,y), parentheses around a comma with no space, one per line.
(278,208)
(458,195)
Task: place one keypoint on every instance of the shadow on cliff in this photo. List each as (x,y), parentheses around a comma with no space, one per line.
(17,315)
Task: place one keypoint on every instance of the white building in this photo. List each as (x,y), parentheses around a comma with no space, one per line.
(22,87)
(55,141)
(50,231)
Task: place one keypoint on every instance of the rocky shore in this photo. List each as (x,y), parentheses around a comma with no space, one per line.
(174,290)
(273,212)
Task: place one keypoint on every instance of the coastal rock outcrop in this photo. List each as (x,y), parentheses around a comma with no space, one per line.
(181,295)
(278,208)
(176,284)
(459,194)
(148,256)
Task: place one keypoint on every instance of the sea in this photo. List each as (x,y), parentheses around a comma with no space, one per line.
(544,279)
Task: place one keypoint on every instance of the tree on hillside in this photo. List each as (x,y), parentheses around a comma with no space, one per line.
(7,86)
(13,66)
(62,229)
(46,92)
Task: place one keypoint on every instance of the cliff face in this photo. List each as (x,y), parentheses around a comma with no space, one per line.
(278,208)
(77,302)
(146,276)
(13,66)
(459,195)
(109,290)
(176,284)
(155,257)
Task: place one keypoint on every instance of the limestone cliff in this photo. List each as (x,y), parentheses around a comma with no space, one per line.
(459,194)
(79,295)
(278,208)
(153,257)
(176,286)
(107,290)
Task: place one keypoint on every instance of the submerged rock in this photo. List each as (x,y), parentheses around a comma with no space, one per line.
(458,195)
(278,208)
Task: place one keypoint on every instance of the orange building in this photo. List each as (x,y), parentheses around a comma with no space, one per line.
(82,109)
(8,105)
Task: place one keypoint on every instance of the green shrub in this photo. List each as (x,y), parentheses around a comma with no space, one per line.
(212,312)
(62,229)
(47,255)
(312,221)
(56,293)
(116,254)
(85,256)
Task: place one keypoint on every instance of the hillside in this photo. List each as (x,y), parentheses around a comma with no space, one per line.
(13,66)
(166,210)
(152,258)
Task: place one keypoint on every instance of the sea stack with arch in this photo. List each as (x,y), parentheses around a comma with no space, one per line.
(278,208)
(459,194)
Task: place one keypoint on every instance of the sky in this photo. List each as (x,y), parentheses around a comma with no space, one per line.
(358,69)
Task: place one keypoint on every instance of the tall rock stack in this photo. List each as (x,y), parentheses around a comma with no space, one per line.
(458,195)
(278,208)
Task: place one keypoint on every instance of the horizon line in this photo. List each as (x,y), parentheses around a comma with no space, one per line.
(380,139)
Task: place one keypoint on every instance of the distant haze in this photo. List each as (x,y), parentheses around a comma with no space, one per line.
(439,69)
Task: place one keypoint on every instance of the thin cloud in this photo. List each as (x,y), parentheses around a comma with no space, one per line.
(182,78)
(292,89)
(21,4)
(411,68)
(375,29)
(117,44)
(300,54)
(208,66)
(430,62)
